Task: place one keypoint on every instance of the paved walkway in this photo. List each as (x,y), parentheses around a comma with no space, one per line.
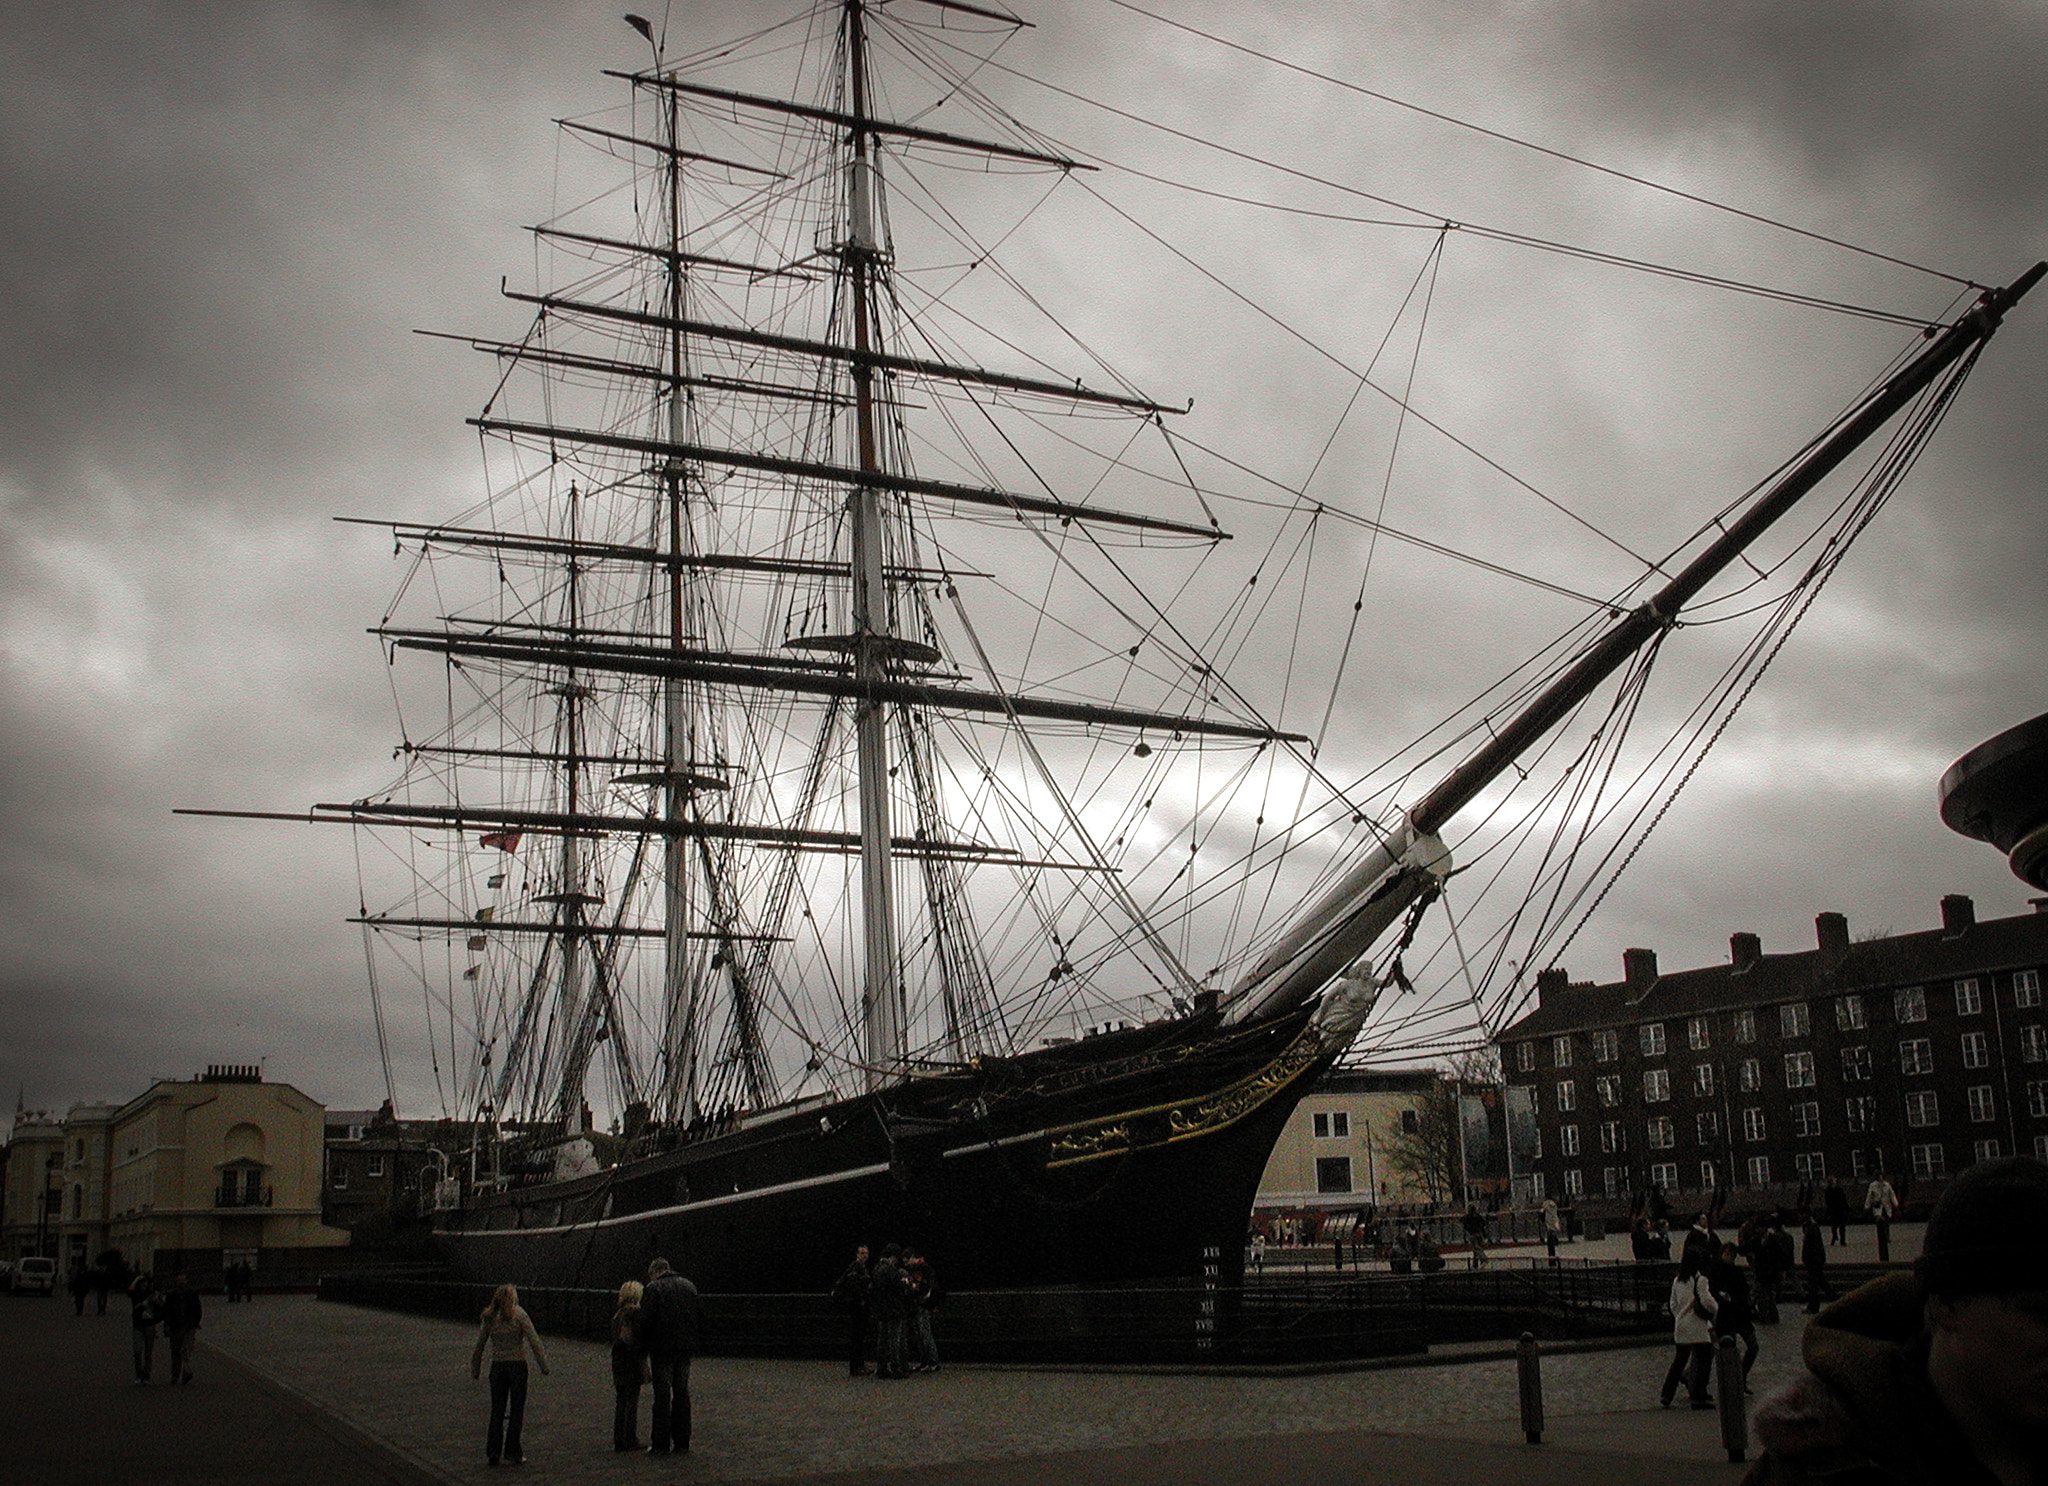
(363,1398)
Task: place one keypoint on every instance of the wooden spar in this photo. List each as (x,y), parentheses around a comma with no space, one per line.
(880,360)
(1003,500)
(674,257)
(855,123)
(773,674)
(669,151)
(636,371)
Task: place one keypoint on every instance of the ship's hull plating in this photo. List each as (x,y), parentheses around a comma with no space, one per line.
(1132,1157)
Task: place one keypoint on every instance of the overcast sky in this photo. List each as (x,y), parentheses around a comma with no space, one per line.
(220,223)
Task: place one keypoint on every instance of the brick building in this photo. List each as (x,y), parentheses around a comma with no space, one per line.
(1913,1055)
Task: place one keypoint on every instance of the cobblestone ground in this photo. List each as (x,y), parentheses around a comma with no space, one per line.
(405,1380)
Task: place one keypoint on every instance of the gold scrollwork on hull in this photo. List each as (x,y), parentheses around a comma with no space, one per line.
(1087,1145)
(1199,1116)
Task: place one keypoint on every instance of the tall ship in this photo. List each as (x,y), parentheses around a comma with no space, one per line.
(849,788)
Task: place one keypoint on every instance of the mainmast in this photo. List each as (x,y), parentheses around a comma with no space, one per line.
(1352,916)
(861,257)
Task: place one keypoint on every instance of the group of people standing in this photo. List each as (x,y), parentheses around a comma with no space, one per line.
(891,1304)
(654,1334)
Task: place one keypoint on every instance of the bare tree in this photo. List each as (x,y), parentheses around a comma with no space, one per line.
(1431,1156)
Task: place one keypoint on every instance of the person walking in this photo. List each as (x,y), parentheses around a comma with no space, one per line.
(508,1331)
(144,1312)
(181,1321)
(1774,1262)
(1553,1229)
(1692,1334)
(629,1368)
(1836,1203)
(1733,1315)
(78,1284)
(1475,1237)
(924,1302)
(1813,1257)
(671,1321)
(854,1289)
(892,1315)
(1883,1203)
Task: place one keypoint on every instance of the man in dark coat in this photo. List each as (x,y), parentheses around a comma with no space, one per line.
(1773,1263)
(891,1299)
(1813,1255)
(1935,1378)
(181,1322)
(1836,1203)
(1734,1316)
(853,1290)
(671,1318)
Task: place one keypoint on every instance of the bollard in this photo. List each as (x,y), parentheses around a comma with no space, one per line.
(1734,1406)
(1529,1373)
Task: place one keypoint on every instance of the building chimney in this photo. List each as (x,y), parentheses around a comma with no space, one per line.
(1831,930)
(1550,982)
(1639,967)
(1744,950)
(1958,913)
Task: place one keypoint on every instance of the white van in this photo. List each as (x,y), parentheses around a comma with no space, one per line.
(33,1274)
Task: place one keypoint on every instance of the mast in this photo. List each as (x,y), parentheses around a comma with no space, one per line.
(882,990)
(1352,916)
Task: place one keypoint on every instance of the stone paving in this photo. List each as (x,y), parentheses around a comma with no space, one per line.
(404,1382)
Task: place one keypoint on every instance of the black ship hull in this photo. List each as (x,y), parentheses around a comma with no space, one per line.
(1133,1156)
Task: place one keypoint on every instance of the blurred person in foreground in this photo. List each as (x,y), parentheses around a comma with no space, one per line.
(1940,1375)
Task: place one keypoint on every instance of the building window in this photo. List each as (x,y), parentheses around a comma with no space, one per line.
(1710,1177)
(1799,1070)
(1610,1178)
(1703,1078)
(1855,1064)
(337,1174)
(1984,1150)
(1610,1136)
(1745,1026)
(1794,1019)
(1806,1120)
(1861,1112)
(1859,1163)
(1650,1037)
(1976,1050)
(1982,1109)
(1333,1173)
(1567,1096)
(1916,1055)
(1929,1161)
(1411,1122)
(1810,1166)
(1336,1125)
(2033,1045)
(1662,1137)
(1606,1045)
(1561,1052)
(1759,1171)
(2026,988)
(1568,1140)
(1923,1108)
(2040,1150)
(376,1167)
(1849,1013)
(1708,1125)
(1753,1124)
(1608,1087)
(1696,1035)
(2037,1099)
(1969,1000)
(1909,1004)
(1656,1085)
(1749,1075)
(1574,1182)
(1664,1176)
(1536,1185)
(1525,1057)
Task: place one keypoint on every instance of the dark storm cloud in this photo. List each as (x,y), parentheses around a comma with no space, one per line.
(222,222)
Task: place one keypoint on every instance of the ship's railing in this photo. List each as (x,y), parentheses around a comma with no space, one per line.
(1322,1317)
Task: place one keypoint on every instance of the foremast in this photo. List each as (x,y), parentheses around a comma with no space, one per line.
(1347,921)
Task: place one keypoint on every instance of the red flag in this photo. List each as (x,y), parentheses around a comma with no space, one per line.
(503,840)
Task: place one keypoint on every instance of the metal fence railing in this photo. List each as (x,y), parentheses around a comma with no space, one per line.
(1274,1319)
